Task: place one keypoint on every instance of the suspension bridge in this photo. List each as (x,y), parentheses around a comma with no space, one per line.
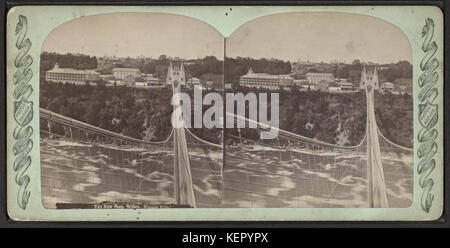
(86,166)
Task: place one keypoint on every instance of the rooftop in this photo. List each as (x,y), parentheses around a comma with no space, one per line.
(319,74)
(57,69)
(126,69)
(251,74)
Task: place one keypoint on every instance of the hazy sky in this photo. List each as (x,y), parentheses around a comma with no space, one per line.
(320,37)
(135,34)
(307,36)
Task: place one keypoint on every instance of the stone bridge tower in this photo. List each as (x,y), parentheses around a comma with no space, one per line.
(369,77)
(176,72)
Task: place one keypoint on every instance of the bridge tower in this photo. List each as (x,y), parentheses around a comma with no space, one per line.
(183,186)
(369,77)
(376,186)
(176,72)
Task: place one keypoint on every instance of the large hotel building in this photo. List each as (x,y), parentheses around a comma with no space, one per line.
(264,80)
(122,73)
(69,75)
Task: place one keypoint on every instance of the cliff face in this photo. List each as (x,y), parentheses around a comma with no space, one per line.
(341,118)
(333,118)
(145,113)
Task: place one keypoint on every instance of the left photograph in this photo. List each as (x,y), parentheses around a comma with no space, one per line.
(106,110)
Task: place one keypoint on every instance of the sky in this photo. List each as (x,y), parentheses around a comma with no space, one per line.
(136,34)
(320,37)
(315,37)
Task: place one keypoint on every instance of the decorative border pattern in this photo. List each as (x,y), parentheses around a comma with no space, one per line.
(23,112)
(428,115)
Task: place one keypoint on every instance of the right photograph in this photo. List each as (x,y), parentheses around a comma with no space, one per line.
(334,90)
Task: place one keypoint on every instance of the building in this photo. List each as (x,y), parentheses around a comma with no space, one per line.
(369,77)
(128,80)
(404,85)
(122,83)
(70,75)
(387,86)
(151,80)
(345,85)
(193,81)
(141,84)
(122,73)
(265,80)
(176,73)
(354,76)
(334,88)
(316,77)
(107,77)
(322,85)
(301,82)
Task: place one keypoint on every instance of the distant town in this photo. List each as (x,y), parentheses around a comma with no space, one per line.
(208,72)
(131,96)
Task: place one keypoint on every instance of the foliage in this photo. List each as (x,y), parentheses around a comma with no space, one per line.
(124,110)
(326,116)
(145,113)
(78,61)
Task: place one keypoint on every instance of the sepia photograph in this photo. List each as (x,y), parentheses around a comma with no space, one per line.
(345,113)
(300,110)
(234,115)
(106,137)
